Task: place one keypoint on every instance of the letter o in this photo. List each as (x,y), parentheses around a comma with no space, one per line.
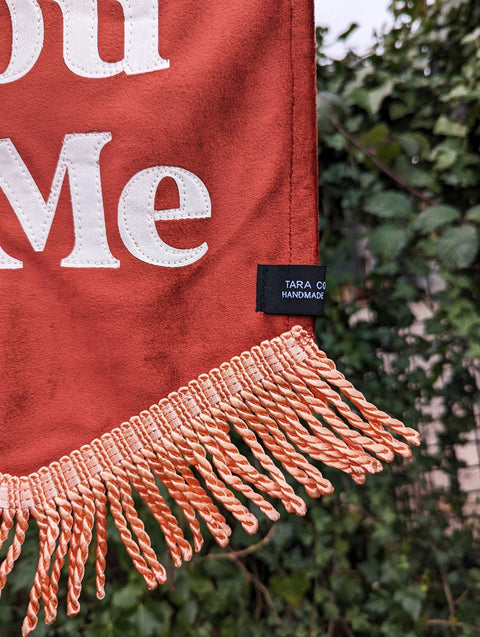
(27,38)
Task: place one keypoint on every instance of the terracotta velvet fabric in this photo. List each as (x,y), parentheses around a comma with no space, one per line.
(152,154)
(83,349)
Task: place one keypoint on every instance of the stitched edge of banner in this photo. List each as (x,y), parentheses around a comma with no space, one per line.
(284,398)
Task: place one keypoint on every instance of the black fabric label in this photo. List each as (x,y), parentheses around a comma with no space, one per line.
(291,289)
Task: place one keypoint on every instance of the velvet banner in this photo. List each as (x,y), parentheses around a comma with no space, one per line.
(152,155)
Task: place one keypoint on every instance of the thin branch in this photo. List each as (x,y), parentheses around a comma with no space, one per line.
(448,593)
(462,596)
(313,611)
(234,555)
(251,577)
(261,587)
(385,169)
(331,627)
(258,605)
(334,621)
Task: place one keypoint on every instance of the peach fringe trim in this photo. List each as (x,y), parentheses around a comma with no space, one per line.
(284,398)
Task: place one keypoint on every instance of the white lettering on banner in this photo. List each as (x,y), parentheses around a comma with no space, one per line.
(80,48)
(137,228)
(80,44)
(79,156)
(27,38)
(141,37)
(80,152)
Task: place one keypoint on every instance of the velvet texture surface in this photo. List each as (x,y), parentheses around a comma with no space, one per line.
(83,349)
(151,155)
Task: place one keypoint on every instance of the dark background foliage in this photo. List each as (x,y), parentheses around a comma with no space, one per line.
(399,190)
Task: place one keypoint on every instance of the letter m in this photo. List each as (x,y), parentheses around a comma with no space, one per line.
(79,157)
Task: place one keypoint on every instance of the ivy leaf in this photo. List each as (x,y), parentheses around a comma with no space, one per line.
(145,622)
(380,140)
(387,241)
(444,155)
(389,204)
(410,600)
(398,109)
(378,94)
(445,126)
(413,174)
(127,598)
(292,588)
(329,108)
(473,36)
(435,217)
(458,92)
(187,614)
(473,214)
(473,351)
(376,136)
(359,96)
(414,143)
(458,247)
(110,630)
(348,32)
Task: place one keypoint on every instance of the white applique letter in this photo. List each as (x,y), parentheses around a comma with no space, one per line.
(27,38)
(80,47)
(141,37)
(80,158)
(137,215)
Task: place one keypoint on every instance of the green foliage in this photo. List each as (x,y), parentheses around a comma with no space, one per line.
(389,205)
(435,217)
(400,220)
(400,204)
(458,246)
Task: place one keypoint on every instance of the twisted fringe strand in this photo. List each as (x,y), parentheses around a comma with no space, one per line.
(284,398)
